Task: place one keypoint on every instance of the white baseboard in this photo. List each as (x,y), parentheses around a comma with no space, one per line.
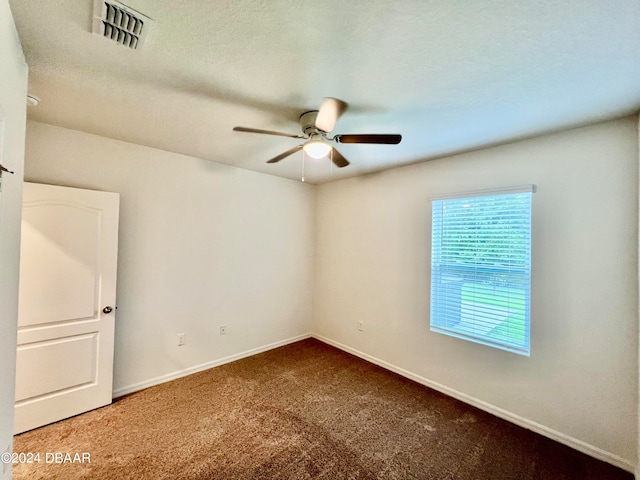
(205,366)
(560,437)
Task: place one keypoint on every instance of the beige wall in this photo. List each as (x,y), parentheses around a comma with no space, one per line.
(580,383)
(13,91)
(201,245)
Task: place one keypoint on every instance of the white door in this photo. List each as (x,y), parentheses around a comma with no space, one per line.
(66,312)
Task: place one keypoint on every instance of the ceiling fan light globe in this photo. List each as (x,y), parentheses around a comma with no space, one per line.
(317,148)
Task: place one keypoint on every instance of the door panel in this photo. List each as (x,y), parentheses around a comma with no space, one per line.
(64,360)
(75,359)
(61,264)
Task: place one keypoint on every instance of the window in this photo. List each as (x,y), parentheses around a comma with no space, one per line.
(480,267)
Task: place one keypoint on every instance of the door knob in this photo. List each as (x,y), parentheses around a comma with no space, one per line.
(107,310)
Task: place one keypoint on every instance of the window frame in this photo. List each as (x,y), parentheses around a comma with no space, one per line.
(481,276)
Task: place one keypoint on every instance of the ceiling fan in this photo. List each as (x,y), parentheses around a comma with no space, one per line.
(316,126)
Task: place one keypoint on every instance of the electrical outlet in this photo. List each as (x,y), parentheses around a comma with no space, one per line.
(181,339)
(223,329)
(361,325)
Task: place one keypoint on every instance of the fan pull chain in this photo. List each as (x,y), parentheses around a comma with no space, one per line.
(303,155)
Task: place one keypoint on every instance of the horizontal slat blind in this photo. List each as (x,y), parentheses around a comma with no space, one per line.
(480,268)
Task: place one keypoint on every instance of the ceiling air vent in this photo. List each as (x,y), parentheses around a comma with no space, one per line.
(119,23)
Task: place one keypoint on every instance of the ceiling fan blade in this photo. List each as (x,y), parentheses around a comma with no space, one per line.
(266,132)
(330,111)
(379,138)
(291,151)
(338,159)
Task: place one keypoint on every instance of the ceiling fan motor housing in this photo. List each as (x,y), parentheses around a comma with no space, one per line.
(308,122)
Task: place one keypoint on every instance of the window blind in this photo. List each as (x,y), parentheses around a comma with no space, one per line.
(481,267)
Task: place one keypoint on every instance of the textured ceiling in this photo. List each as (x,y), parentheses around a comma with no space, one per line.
(448,75)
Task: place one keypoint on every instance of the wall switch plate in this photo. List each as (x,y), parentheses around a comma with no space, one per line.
(181,339)
(223,329)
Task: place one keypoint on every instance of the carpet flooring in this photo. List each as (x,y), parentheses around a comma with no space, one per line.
(302,411)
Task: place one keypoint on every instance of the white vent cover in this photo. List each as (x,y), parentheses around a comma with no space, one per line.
(119,23)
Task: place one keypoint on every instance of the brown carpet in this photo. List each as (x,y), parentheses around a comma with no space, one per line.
(302,411)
